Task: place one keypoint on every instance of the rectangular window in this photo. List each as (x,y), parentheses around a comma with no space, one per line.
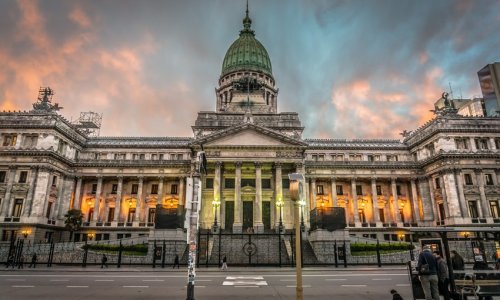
(398,190)
(18,207)
(359,190)
(489,179)
(319,189)
(151,215)
(495,212)
(285,183)
(114,188)
(142,156)
(160,157)
(437,183)
(321,157)
(248,182)
(111,214)
(2,176)
(473,209)
(173,189)
(379,190)
(30,141)
(94,188)
(9,140)
(314,157)
(229,183)
(135,156)
(54,180)
(468,179)
(154,156)
(370,158)
(135,188)
(340,190)
(154,189)
(49,210)
(266,183)
(131,215)
(23,176)
(209,183)
(461,143)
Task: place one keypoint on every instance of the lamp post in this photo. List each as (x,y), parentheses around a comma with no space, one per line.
(321,212)
(25,233)
(296,180)
(280,204)
(90,236)
(216,204)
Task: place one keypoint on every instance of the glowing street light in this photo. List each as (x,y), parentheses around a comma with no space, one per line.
(280,203)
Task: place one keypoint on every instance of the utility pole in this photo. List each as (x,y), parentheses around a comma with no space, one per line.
(193,212)
(296,180)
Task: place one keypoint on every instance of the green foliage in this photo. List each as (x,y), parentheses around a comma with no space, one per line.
(139,248)
(74,219)
(360,247)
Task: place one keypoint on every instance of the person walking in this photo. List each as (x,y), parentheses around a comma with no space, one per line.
(457,262)
(104,261)
(176,262)
(10,262)
(396,295)
(20,264)
(33,261)
(224,263)
(427,270)
(443,276)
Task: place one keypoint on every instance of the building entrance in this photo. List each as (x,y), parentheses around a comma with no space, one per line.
(229,215)
(247,214)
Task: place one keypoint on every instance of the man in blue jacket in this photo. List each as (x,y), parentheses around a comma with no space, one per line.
(428,275)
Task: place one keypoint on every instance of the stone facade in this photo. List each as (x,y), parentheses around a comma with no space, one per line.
(444,173)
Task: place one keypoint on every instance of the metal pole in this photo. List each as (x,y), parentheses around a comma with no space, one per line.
(163,254)
(154,254)
(345,256)
(335,252)
(119,263)
(84,263)
(279,244)
(193,232)
(379,261)
(298,242)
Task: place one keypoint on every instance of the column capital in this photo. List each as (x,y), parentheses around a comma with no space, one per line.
(277,165)
(218,164)
(312,179)
(393,180)
(258,164)
(374,179)
(478,171)
(238,164)
(333,179)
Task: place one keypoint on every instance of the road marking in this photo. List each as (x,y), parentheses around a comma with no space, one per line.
(246,286)
(335,279)
(382,279)
(59,280)
(23,286)
(153,280)
(294,286)
(104,280)
(293,280)
(403,284)
(354,285)
(198,280)
(77,286)
(244,277)
(197,286)
(15,279)
(244,282)
(136,286)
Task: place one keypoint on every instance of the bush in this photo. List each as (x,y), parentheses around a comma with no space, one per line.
(360,247)
(141,248)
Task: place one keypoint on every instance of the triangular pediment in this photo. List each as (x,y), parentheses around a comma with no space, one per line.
(248,135)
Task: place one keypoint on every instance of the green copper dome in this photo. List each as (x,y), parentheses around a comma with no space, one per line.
(246,53)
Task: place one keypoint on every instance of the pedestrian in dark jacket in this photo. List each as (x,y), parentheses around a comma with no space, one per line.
(33,261)
(429,277)
(176,262)
(104,261)
(443,276)
(396,295)
(457,262)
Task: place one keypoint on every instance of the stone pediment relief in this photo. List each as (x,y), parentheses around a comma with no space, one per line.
(492,190)
(471,190)
(247,137)
(248,189)
(19,188)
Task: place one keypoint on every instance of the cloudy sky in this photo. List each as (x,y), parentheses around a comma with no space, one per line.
(352,69)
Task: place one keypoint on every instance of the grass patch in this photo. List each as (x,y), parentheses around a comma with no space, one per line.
(138,250)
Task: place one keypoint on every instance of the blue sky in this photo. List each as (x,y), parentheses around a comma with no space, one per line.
(352,69)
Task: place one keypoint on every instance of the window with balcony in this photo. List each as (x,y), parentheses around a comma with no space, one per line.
(340,190)
(379,190)
(468,179)
(319,189)
(229,183)
(359,190)
(209,183)
(135,189)
(2,176)
(173,189)
(154,189)
(9,140)
(23,177)
(18,208)
(488,178)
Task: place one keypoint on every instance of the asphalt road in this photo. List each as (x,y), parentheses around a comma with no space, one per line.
(242,284)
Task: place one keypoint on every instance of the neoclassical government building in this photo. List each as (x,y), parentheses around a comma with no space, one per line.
(445,173)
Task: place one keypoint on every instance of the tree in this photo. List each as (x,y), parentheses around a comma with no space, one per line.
(73,222)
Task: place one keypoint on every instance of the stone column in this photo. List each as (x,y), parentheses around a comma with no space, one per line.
(182,194)
(395,207)
(435,211)
(473,144)
(376,212)
(31,191)
(217,179)
(97,202)
(278,193)
(312,202)
(334,192)
(461,195)
(60,197)
(444,192)
(484,202)
(452,197)
(118,201)
(259,226)
(414,201)
(427,210)
(77,198)
(6,207)
(238,211)
(355,212)
(140,205)
(41,191)
(64,206)
(159,201)
(492,144)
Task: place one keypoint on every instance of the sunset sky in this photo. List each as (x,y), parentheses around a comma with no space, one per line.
(352,69)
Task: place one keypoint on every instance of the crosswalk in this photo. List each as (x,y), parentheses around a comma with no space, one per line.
(247,281)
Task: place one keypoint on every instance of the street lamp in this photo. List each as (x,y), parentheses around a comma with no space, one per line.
(296,180)
(25,233)
(90,236)
(215,204)
(280,204)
